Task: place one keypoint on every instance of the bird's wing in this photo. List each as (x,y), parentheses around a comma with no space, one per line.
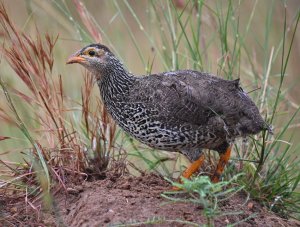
(194,98)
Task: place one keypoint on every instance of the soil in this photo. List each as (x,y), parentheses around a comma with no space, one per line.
(137,201)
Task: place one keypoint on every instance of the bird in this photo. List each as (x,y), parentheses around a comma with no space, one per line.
(182,111)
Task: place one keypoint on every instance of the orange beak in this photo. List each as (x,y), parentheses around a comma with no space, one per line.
(75,59)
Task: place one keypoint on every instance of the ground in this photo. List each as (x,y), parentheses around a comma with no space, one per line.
(135,201)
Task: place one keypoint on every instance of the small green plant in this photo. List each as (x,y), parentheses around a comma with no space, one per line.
(201,191)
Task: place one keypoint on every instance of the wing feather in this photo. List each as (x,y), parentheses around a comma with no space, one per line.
(196,99)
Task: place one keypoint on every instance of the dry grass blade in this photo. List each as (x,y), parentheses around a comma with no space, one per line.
(87,20)
(4,137)
(86,98)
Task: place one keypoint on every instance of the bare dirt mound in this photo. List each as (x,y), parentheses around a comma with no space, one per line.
(137,201)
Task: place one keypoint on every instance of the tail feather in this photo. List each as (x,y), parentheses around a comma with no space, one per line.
(269,128)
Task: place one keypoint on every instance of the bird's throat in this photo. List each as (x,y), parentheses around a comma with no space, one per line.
(114,85)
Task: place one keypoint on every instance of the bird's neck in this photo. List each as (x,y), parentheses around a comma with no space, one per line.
(114,83)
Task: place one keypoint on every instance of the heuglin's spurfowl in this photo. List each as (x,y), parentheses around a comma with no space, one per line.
(181,111)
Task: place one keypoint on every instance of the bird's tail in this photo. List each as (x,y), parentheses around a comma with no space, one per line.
(269,128)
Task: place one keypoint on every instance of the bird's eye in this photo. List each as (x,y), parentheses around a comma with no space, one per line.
(92,53)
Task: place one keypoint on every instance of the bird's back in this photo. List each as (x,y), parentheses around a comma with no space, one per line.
(188,109)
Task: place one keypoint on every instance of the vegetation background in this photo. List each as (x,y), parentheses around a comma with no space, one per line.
(232,39)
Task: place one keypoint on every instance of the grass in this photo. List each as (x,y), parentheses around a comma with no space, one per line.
(71,138)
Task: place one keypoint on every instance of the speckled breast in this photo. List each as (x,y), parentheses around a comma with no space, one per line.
(141,124)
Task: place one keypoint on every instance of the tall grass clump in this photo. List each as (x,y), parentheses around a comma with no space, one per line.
(68,141)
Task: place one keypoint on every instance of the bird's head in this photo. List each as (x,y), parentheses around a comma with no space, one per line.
(94,57)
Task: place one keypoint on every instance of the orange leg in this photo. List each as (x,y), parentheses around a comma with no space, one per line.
(191,169)
(221,165)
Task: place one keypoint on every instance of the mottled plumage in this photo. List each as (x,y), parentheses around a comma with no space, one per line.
(176,111)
